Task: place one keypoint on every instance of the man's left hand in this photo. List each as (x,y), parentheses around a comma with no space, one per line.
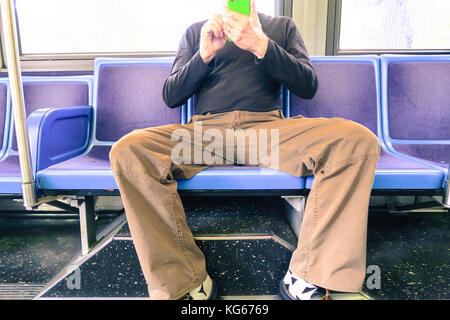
(246,31)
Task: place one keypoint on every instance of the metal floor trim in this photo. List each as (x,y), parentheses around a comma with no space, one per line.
(232,237)
(13,291)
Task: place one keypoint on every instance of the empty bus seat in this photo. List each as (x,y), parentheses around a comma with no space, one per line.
(41,92)
(416,107)
(349,88)
(127,96)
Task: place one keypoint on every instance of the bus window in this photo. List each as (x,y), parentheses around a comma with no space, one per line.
(394,25)
(111,26)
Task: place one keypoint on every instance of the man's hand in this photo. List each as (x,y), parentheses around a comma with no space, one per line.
(246,32)
(212,38)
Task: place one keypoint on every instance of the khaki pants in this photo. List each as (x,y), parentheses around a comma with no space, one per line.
(331,251)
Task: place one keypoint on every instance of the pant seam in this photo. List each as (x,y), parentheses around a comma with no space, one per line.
(163,178)
(180,237)
(303,154)
(353,159)
(347,161)
(121,172)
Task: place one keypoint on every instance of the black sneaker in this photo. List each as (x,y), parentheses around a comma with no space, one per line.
(294,288)
(206,291)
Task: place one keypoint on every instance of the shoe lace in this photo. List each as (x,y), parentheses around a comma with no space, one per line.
(326,296)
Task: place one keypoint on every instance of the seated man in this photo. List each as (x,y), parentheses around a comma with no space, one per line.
(237,84)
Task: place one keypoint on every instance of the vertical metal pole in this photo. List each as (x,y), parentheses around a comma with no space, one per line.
(9,26)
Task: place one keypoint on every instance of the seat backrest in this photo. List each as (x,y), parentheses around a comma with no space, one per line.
(4,115)
(128,96)
(416,97)
(416,105)
(52,92)
(348,88)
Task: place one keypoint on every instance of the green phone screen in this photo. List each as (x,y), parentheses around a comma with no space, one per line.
(241,6)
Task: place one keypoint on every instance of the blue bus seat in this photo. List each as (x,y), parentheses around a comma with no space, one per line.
(349,88)
(40,92)
(416,105)
(127,96)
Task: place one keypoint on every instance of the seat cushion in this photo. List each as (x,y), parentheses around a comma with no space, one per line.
(242,178)
(93,171)
(97,158)
(438,154)
(90,171)
(397,173)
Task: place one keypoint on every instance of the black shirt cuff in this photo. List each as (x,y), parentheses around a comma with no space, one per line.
(269,51)
(199,65)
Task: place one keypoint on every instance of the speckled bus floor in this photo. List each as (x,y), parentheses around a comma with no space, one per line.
(247,243)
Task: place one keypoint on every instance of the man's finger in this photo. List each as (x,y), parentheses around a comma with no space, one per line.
(231,29)
(232,16)
(217,18)
(216,28)
(217,32)
(253,11)
(227,28)
(231,33)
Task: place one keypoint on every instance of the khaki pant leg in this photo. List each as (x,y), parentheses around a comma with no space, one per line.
(145,174)
(342,155)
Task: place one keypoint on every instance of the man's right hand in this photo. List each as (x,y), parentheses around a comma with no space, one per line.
(212,38)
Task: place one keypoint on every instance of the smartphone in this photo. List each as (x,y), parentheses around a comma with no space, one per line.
(241,6)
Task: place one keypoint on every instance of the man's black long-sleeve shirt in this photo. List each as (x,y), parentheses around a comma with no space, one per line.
(235,79)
